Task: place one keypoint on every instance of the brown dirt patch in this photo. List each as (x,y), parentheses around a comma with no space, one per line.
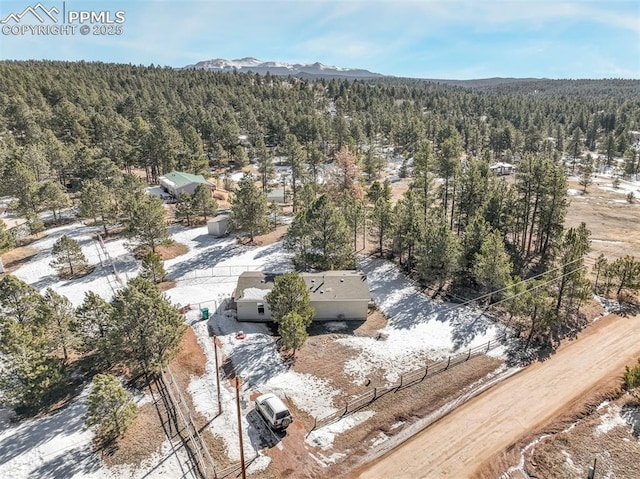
(144,437)
(17,257)
(171,250)
(268,238)
(166,285)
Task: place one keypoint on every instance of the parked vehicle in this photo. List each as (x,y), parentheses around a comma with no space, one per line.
(274,411)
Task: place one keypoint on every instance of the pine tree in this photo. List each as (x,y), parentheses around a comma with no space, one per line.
(290,295)
(293,151)
(110,407)
(439,255)
(293,331)
(68,258)
(147,328)
(152,268)
(275,212)
(382,221)
(491,265)
(7,240)
(570,259)
(266,170)
(19,301)
(249,208)
(95,203)
(147,226)
(586,172)
(53,197)
(409,228)
(423,176)
(321,237)
(184,208)
(58,315)
(203,203)
(30,378)
(94,324)
(599,267)
(354,211)
(627,271)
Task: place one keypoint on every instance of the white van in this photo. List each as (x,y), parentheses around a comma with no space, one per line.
(274,411)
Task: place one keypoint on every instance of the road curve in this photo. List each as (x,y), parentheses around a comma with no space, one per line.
(458,444)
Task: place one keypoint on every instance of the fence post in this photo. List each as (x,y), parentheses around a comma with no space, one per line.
(346,406)
(426,371)
(375,393)
(469,355)
(401,378)
(448,363)
(488,345)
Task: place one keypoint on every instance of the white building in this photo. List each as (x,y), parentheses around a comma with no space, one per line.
(335,295)
(218,226)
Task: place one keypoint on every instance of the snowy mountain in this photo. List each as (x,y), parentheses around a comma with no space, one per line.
(254,65)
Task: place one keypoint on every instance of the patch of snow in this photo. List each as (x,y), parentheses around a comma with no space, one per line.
(38,273)
(324,436)
(572,192)
(610,420)
(418,328)
(260,463)
(379,439)
(59,445)
(254,293)
(326,461)
(609,305)
(396,425)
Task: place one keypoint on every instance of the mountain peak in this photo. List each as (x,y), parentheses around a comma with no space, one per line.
(253,65)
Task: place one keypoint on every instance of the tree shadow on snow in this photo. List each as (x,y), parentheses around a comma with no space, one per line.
(76,461)
(39,431)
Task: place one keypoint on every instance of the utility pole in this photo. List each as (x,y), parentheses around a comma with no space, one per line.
(215,349)
(592,470)
(244,473)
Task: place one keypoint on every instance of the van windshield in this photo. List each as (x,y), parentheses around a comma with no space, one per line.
(282,414)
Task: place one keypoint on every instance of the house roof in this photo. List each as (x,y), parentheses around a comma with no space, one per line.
(324,286)
(218,219)
(179,179)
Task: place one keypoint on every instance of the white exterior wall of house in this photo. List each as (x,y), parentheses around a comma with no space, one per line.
(249,310)
(337,310)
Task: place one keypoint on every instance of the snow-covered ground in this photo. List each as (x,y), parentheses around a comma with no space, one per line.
(418,327)
(102,280)
(206,276)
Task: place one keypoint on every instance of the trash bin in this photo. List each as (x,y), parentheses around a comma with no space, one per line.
(204,313)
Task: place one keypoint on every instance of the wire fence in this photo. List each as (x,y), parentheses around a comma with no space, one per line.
(407,380)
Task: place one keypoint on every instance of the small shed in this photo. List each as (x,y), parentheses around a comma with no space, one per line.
(177,182)
(218,226)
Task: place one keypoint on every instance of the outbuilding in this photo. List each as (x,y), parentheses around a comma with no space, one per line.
(218,226)
(177,182)
(335,295)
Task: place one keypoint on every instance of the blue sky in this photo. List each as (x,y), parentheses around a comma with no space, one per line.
(458,39)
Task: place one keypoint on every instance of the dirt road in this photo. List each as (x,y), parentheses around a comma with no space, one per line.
(461,442)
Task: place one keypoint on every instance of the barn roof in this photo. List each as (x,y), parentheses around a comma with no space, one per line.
(323,286)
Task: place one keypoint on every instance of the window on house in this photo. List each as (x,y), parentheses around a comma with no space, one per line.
(260,308)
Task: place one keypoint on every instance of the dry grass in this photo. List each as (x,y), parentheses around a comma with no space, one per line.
(171,250)
(143,438)
(572,452)
(268,238)
(17,257)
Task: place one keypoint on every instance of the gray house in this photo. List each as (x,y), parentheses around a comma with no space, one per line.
(335,295)
(177,182)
